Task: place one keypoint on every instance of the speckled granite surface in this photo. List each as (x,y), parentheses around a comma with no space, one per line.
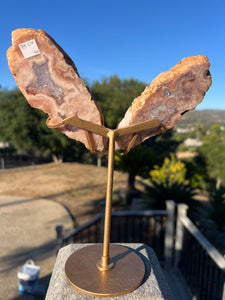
(154,284)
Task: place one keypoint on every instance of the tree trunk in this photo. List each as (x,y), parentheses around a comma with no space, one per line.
(57,159)
(99,160)
(132,192)
(218,183)
(131,182)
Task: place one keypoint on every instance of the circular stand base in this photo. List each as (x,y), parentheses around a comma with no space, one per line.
(83,274)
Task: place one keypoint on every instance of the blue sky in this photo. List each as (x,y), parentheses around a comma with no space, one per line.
(138,39)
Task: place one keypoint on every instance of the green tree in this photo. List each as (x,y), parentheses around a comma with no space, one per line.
(25,128)
(114,96)
(136,162)
(163,145)
(213,152)
(19,124)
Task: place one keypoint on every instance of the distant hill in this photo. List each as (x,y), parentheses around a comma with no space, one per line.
(205,118)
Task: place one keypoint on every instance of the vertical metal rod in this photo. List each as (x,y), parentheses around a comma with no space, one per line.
(108,208)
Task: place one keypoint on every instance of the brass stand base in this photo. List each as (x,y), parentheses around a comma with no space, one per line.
(83,274)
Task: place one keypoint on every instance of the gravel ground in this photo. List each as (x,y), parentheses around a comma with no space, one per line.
(28,231)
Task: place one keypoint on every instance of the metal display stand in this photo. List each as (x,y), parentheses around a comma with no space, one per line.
(119,270)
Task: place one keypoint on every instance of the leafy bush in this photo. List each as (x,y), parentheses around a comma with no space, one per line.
(158,193)
(169,182)
(172,171)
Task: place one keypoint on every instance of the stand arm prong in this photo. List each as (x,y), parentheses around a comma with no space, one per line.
(82,124)
(102,130)
(138,127)
(131,143)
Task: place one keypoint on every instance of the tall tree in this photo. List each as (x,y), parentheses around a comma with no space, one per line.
(114,96)
(19,123)
(137,162)
(213,151)
(25,128)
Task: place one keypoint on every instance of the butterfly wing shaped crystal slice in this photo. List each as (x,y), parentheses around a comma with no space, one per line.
(168,97)
(49,80)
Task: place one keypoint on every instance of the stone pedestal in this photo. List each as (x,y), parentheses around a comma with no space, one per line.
(154,284)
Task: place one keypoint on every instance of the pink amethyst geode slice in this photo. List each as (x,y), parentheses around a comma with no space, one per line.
(168,97)
(49,80)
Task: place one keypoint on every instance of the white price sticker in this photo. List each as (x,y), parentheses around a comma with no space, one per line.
(29,48)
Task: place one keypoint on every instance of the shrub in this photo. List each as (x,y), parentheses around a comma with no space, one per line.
(169,182)
(158,193)
(172,171)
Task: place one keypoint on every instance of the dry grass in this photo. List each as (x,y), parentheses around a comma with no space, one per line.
(77,186)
